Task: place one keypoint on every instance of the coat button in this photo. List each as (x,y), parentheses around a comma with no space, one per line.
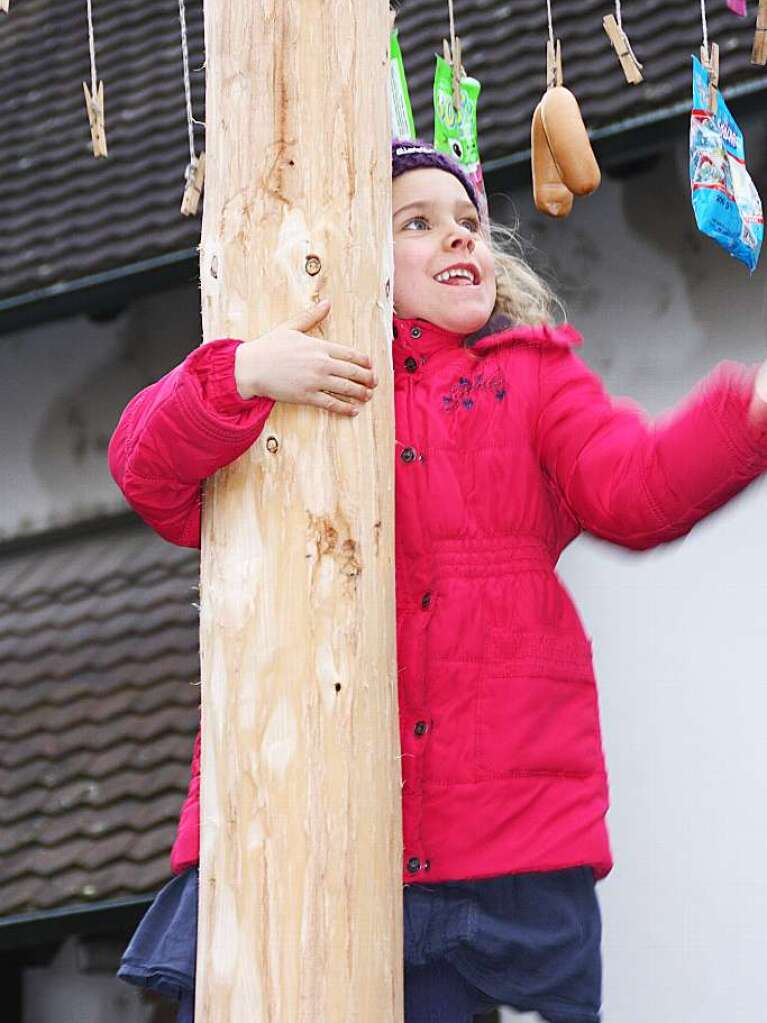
(420,728)
(426,601)
(413,865)
(416,332)
(408,455)
(410,364)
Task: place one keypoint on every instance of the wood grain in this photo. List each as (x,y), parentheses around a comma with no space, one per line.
(301,851)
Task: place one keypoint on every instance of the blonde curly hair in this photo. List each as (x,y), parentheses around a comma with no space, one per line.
(521,294)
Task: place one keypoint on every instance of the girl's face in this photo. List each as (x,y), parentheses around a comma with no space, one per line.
(444,271)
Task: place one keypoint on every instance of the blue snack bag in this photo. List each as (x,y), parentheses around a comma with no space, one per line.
(725,201)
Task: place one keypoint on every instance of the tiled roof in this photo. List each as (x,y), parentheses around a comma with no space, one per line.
(504,46)
(98,710)
(66,216)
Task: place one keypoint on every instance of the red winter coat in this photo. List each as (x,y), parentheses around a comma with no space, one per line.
(506,451)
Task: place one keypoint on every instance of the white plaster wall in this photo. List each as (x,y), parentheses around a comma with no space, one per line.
(680,634)
(65,992)
(62,388)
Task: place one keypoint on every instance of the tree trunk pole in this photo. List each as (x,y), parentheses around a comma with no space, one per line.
(301,850)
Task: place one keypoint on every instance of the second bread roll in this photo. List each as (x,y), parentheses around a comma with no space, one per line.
(569,141)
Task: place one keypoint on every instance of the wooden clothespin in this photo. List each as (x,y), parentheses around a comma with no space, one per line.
(553,65)
(759,51)
(95,107)
(632,69)
(195,176)
(459,72)
(710,60)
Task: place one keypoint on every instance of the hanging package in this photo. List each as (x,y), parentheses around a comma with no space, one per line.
(725,201)
(455,131)
(403,126)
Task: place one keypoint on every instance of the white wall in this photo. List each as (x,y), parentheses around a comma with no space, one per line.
(62,387)
(70,990)
(680,634)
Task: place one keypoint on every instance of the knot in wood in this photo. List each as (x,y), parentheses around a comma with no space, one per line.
(327,541)
(350,565)
(272,445)
(313,265)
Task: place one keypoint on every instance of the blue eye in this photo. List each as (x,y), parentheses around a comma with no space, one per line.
(416,220)
(471,224)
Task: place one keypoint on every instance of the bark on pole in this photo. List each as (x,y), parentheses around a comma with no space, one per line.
(301,849)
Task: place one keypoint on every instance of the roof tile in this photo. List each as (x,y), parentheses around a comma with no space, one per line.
(98,711)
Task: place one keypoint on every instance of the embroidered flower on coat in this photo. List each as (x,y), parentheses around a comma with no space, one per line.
(466,392)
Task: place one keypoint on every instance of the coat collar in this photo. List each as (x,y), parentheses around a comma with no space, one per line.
(424,338)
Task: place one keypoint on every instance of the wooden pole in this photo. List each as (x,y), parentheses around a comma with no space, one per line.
(301,851)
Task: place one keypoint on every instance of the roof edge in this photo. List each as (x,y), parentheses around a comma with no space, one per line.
(96,280)
(82,527)
(97,292)
(51,926)
(652,119)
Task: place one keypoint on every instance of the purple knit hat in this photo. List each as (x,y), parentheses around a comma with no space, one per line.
(410,154)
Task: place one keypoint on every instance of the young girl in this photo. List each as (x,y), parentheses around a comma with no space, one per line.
(507,448)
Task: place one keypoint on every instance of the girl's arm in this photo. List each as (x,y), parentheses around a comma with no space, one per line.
(640,483)
(207,412)
(176,433)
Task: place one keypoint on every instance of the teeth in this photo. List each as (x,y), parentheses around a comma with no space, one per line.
(459,272)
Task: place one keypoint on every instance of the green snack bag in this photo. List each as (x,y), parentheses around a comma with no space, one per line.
(455,132)
(401,112)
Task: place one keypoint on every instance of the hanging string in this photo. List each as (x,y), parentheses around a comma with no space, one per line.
(551,23)
(94,100)
(195,170)
(613,26)
(92,45)
(705,24)
(454,58)
(452,25)
(187,84)
(619,22)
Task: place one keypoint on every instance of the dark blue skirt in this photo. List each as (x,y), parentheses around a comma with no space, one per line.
(529,941)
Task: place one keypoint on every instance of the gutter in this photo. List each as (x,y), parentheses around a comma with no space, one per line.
(100,294)
(55,925)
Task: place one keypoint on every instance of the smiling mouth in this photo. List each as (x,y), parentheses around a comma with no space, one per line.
(458,276)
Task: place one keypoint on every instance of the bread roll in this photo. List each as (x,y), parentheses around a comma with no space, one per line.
(568,141)
(549,194)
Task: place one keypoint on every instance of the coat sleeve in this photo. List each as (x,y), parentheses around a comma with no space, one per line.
(177,432)
(638,482)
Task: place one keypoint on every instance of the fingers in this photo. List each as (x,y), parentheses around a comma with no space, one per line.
(345,388)
(342,402)
(345,354)
(309,317)
(333,404)
(353,371)
(347,401)
(314,315)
